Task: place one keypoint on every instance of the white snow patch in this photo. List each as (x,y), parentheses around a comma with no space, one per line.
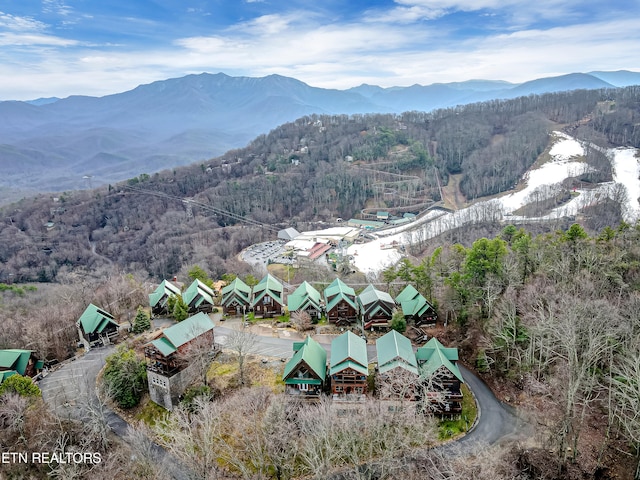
(541,183)
(626,172)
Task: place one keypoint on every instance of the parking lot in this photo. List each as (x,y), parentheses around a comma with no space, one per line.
(261,253)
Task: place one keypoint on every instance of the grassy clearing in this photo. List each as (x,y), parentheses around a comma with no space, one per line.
(448,429)
(150,412)
(224,374)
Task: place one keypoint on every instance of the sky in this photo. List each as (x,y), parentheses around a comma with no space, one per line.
(98,47)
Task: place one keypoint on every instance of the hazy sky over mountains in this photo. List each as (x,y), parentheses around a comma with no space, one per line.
(65,47)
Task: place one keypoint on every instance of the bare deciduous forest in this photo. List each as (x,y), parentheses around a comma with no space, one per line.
(548,316)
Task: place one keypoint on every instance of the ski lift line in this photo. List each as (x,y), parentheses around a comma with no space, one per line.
(204,206)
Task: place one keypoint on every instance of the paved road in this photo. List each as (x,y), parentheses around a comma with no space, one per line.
(496,422)
(69,389)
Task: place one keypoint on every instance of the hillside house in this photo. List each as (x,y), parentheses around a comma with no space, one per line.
(169,370)
(307,299)
(159,297)
(340,303)
(376,307)
(440,378)
(397,367)
(267,297)
(305,373)
(349,367)
(415,307)
(96,327)
(198,297)
(22,362)
(236,298)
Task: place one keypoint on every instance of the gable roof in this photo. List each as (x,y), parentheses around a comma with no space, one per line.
(412,302)
(303,297)
(338,291)
(94,319)
(270,286)
(197,293)
(164,290)
(180,333)
(371,295)
(15,360)
(395,350)
(433,355)
(238,290)
(408,293)
(311,353)
(349,351)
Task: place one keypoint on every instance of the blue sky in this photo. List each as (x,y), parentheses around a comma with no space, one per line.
(97,47)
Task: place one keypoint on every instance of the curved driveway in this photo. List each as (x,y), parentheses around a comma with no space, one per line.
(496,421)
(70,388)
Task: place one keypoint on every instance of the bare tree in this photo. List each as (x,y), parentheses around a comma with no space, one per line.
(242,343)
(302,320)
(625,383)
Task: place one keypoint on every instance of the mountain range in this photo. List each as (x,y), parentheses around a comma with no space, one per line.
(79,142)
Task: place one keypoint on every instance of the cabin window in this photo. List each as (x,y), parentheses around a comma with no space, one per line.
(303,387)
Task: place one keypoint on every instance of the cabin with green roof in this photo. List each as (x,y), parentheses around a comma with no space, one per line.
(440,377)
(397,367)
(415,307)
(169,371)
(376,307)
(305,373)
(349,366)
(96,326)
(198,297)
(22,362)
(236,297)
(159,297)
(305,298)
(268,297)
(340,303)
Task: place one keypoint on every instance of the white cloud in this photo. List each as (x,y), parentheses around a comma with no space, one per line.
(21,24)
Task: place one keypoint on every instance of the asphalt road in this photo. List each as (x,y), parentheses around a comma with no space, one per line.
(70,388)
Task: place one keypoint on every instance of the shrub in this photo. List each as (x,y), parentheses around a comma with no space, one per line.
(125,377)
(23,386)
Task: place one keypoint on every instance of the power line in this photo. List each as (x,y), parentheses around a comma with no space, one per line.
(204,206)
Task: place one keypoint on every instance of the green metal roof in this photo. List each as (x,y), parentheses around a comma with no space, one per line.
(408,293)
(270,286)
(349,351)
(395,350)
(164,346)
(298,381)
(6,374)
(180,333)
(338,291)
(433,356)
(237,290)
(14,359)
(412,302)
(372,295)
(165,289)
(237,285)
(94,319)
(303,297)
(311,353)
(199,292)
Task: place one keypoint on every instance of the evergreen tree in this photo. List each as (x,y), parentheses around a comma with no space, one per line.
(125,377)
(141,322)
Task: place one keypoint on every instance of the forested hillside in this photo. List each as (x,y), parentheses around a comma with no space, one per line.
(318,168)
(548,314)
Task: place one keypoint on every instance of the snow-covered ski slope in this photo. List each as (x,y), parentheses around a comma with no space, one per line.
(539,183)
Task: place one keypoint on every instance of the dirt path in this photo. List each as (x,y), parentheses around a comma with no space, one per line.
(451,194)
